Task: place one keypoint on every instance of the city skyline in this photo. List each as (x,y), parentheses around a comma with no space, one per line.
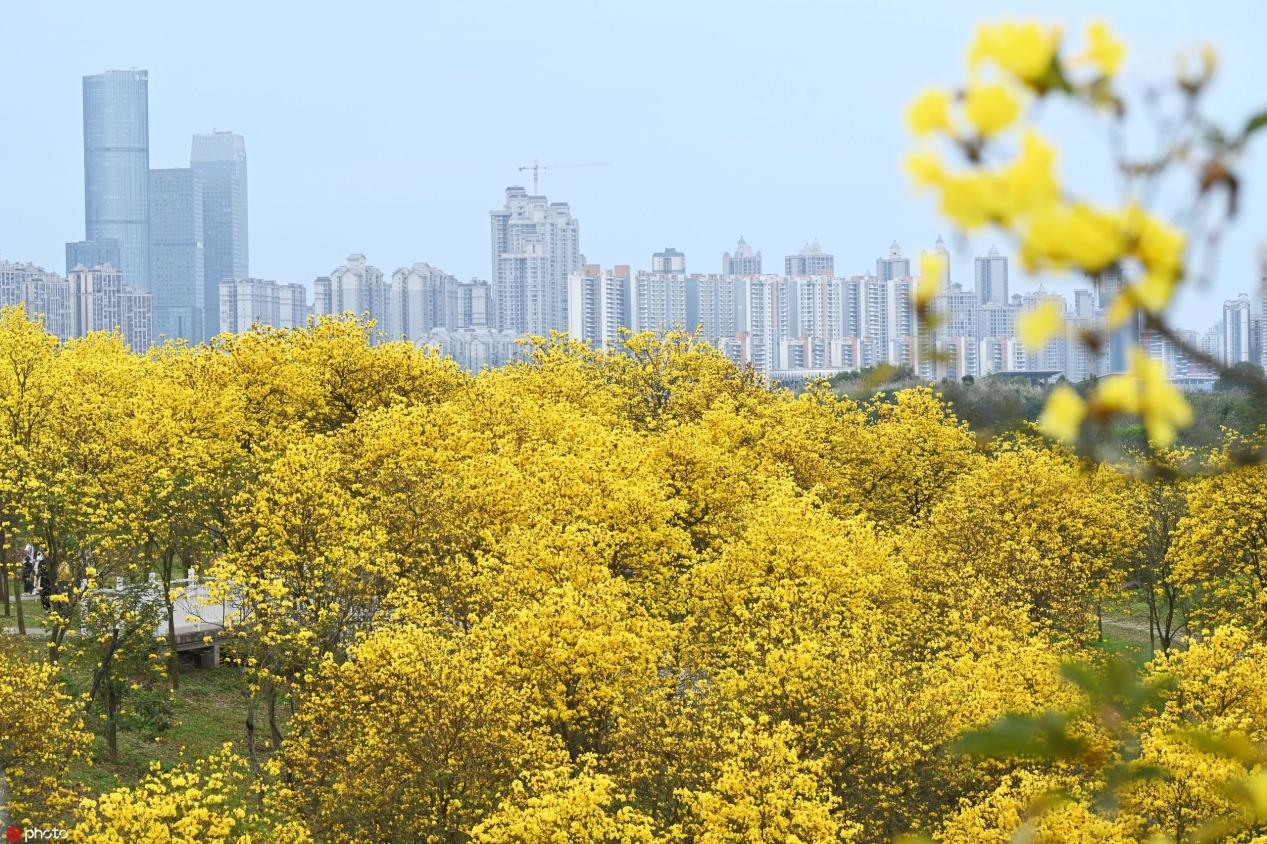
(825,131)
(154,237)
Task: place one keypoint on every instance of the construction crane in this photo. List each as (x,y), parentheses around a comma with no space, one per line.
(536,168)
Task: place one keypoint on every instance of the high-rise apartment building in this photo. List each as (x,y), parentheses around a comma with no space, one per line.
(599,305)
(117,167)
(246,302)
(991,278)
(101,301)
(662,302)
(535,247)
(743,262)
(220,159)
(417,298)
(716,313)
(45,295)
(355,288)
(423,298)
(176,254)
(136,312)
(893,265)
(953,345)
(943,255)
(1115,357)
(1239,343)
(1262,324)
(810,261)
(668,261)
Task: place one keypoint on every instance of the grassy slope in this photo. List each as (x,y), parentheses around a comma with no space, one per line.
(206,712)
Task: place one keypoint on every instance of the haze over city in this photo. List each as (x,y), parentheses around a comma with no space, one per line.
(393,130)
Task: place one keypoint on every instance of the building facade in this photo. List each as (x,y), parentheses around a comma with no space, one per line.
(1238,342)
(991,278)
(248,302)
(176,254)
(599,303)
(810,261)
(356,288)
(92,253)
(536,246)
(101,301)
(220,160)
(743,262)
(668,261)
(117,167)
(45,295)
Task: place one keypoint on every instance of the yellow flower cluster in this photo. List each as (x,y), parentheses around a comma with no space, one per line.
(1024,196)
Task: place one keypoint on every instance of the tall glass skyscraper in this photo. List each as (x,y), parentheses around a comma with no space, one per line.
(117,167)
(176,253)
(220,159)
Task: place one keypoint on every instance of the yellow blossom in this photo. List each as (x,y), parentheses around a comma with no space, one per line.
(1063,414)
(991,107)
(1039,325)
(1025,49)
(932,268)
(930,112)
(1104,49)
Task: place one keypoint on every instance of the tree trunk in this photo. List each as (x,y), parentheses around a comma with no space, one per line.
(250,734)
(7,566)
(1154,623)
(21,617)
(112,722)
(173,657)
(275,734)
(4,800)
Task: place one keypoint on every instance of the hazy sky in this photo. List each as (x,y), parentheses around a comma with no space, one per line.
(393,128)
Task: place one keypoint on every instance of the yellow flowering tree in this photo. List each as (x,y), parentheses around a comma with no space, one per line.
(26,357)
(1029,530)
(1220,551)
(426,735)
(41,731)
(206,801)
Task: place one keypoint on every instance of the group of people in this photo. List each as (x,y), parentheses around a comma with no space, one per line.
(38,576)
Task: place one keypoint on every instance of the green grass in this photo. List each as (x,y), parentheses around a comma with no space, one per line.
(32,613)
(207,711)
(204,714)
(1125,620)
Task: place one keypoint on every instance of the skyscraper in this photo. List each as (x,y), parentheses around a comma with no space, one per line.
(246,302)
(101,301)
(1239,344)
(46,295)
(423,299)
(599,305)
(355,288)
(668,261)
(117,167)
(894,266)
(220,158)
(176,254)
(535,247)
(1115,357)
(743,262)
(92,253)
(810,261)
(991,281)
